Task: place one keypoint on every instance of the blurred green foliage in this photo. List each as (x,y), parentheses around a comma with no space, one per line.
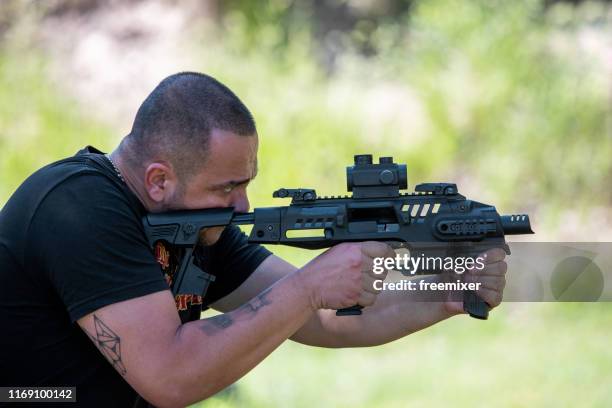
(526,355)
(506,94)
(37,124)
(499,96)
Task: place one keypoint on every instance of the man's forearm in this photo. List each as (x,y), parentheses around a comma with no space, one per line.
(394,315)
(212,353)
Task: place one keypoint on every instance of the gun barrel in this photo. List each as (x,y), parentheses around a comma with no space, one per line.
(516,224)
(243,218)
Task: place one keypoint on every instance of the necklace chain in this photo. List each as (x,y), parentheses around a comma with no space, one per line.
(114,167)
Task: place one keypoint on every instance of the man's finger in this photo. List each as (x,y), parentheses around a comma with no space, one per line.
(494,255)
(375,249)
(367,263)
(366,299)
(493,282)
(368,283)
(496,269)
(492,297)
(380,275)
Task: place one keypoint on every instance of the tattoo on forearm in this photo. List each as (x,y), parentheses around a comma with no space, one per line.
(220,322)
(216,323)
(109,344)
(260,301)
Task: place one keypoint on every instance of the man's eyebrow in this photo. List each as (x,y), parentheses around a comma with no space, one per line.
(234,183)
(231,183)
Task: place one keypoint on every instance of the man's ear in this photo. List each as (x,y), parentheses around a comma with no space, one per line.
(160,182)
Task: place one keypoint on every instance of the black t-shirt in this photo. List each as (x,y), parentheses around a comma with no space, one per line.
(71,242)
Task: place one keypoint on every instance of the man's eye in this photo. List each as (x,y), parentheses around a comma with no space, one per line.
(228,189)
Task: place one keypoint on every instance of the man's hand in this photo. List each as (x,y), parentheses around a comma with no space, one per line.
(342,276)
(492,279)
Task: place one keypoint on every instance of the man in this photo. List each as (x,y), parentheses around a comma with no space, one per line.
(84,302)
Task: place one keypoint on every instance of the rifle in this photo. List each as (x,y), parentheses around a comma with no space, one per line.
(434,220)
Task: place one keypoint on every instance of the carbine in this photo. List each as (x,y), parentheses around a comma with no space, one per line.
(434,220)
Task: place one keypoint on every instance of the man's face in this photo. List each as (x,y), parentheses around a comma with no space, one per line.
(222,181)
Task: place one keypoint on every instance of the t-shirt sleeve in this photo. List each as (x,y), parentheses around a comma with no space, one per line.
(232,259)
(90,244)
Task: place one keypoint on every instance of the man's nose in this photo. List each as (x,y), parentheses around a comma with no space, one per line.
(241,202)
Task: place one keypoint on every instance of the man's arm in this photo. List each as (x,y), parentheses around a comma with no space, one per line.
(145,341)
(395,314)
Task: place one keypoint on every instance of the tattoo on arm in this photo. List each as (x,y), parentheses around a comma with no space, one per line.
(109,344)
(258,302)
(216,323)
(223,321)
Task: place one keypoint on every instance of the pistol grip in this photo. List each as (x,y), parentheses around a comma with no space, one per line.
(475,306)
(191,280)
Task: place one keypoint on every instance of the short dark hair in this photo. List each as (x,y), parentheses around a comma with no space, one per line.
(175,121)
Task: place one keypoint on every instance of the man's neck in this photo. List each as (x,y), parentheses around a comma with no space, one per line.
(132,179)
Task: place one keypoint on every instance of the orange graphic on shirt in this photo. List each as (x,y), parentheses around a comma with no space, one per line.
(184,301)
(162,255)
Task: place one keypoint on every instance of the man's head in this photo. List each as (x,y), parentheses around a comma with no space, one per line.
(193,144)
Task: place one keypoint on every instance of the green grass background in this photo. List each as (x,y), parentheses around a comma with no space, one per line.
(499,96)
(526,355)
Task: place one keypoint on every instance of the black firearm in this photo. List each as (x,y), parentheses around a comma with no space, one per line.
(435,220)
